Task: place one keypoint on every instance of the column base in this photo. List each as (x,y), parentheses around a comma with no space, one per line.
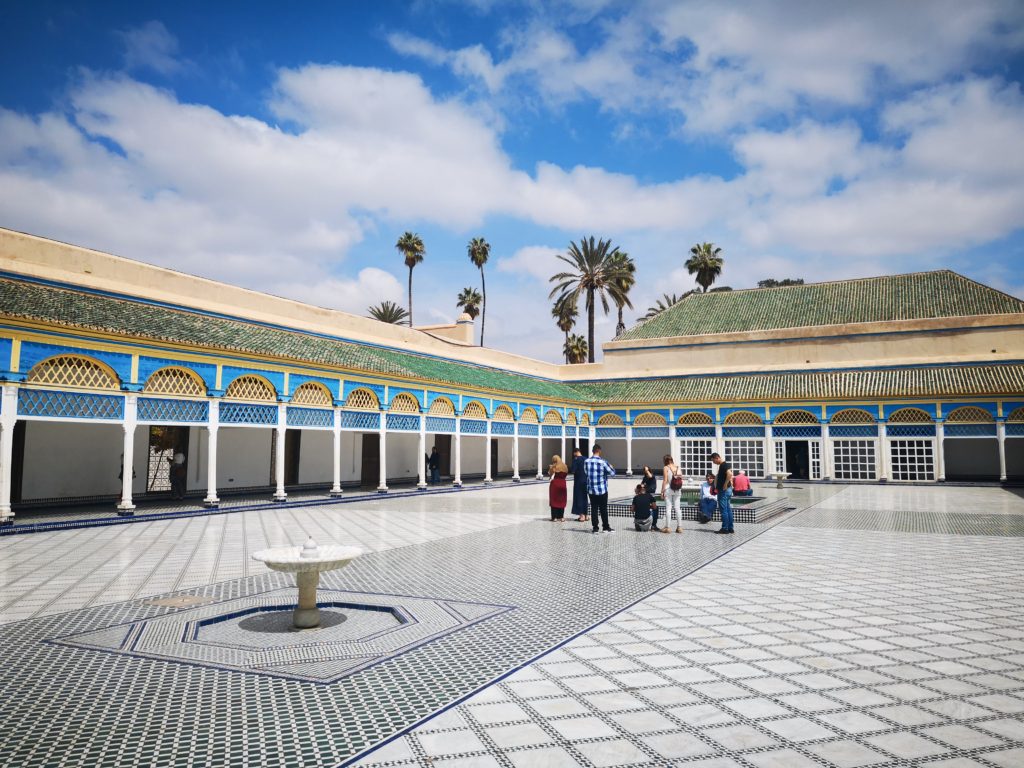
(336,493)
(280,498)
(539,477)
(382,489)
(456,484)
(421,486)
(488,481)
(629,473)
(6,522)
(517,479)
(125,511)
(211,503)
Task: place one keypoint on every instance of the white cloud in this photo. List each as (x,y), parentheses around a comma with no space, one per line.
(151,46)
(538,261)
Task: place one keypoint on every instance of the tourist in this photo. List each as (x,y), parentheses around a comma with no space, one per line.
(598,471)
(649,480)
(179,475)
(672,492)
(707,503)
(579,486)
(644,508)
(556,489)
(741,484)
(723,486)
(434,464)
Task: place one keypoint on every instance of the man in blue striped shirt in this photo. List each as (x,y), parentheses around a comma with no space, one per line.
(598,471)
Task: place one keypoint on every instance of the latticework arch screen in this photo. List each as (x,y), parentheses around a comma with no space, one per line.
(363,400)
(571,419)
(442,406)
(743,419)
(552,417)
(1016,415)
(404,403)
(528,416)
(312,393)
(585,420)
(174,381)
(649,420)
(73,371)
(474,411)
(852,416)
(610,420)
(250,388)
(695,418)
(504,413)
(796,417)
(909,416)
(969,414)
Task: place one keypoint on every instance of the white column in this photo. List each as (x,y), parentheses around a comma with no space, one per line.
(8,418)
(282,428)
(382,487)
(212,426)
(826,453)
(457,481)
(719,442)
(940,451)
(125,507)
(540,451)
(487,456)
(515,452)
(336,486)
(576,439)
(769,451)
(1001,435)
(562,449)
(629,450)
(883,451)
(422,461)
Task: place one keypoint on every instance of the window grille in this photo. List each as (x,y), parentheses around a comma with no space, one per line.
(175,381)
(969,414)
(610,420)
(552,430)
(473,427)
(502,428)
(244,413)
(853,459)
(527,430)
(552,417)
(912,459)
(741,431)
(909,416)
(250,388)
(910,430)
(971,430)
(747,455)
(695,431)
(528,416)
(815,460)
(72,371)
(312,393)
(604,433)
(797,432)
(161,409)
(474,411)
(440,424)
(572,418)
(695,418)
(743,419)
(1016,415)
(585,420)
(310,417)
(649,420)
(404,403)
(403,422)
(442,406)
(852,416)
(69,405)
(853,430)
(693,458)
(650,432)
(780,456)
(504,413)
(361,420)
(796,417)
(363,400)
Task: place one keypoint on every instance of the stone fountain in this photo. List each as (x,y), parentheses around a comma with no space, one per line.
(307,563)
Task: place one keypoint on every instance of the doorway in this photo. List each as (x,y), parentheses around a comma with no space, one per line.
(17,461)
(165,443)
(443,443)
(292,450)
(370,475)
(494,458)
(798,459)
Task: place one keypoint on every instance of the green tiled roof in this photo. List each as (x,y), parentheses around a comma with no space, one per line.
(113,315)
(942,381)
(916,296)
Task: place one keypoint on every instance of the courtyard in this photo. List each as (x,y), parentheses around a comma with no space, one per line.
(870,625)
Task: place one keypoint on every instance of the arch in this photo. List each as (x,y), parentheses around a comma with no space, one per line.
(442,406)
(403,402)
(650,420)
(474,410)
(909,416)
(852,416)
(743,419)
(363,400)
(73,371)
(174,380)
(969,414)
(504,413)
(1016,415)
(251,387)
(585,420)
(698,418)
(528,416)
(572,418)
(796,416)
(552,417)
(610,420)
(312,393)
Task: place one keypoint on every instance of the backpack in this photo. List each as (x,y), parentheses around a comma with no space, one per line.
(676,483)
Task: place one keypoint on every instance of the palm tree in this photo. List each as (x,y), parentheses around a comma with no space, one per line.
(411,247)
(388,312)
(564,311)
(664,303)
(595,274)
(706,263)
(479,249)
(575,349)
(469,300)
(625,277)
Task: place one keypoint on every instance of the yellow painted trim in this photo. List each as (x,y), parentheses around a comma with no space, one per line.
(220,377)
(15,354)
(135,369)
(287,391)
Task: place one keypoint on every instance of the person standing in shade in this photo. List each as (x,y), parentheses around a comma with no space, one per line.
(434,465)
(556,489)
(579,485)
(598,471)
(723,486)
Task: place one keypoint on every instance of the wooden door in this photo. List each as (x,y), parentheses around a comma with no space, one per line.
(444,447)
(292,451)
(370,475)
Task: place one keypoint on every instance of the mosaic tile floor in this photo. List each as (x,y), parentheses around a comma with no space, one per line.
(791,644)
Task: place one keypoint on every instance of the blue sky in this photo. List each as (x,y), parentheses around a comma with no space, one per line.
(288,151)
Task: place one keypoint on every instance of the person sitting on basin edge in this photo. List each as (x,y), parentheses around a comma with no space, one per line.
(644,508)
(707,503)
(741,484)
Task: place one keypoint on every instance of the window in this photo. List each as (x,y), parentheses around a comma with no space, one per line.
(912,459)
(747,455)
(853,459)
(693,457)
